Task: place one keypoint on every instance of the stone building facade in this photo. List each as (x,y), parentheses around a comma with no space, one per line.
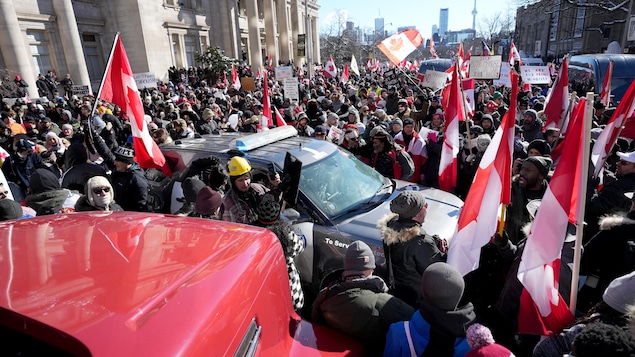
(75,36)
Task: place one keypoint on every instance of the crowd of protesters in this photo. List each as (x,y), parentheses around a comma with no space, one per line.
(65,153)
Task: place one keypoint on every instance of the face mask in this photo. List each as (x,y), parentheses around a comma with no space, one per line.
(102,201)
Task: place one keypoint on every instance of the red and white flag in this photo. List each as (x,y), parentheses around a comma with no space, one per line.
(235,79)
(613,129)
(557,101)
(629,128)
(542,310)
(225,81)
(344,77)
(266,103)
(270,61)
(119,87)
(330,71)
(399,46)
(468,91)
(454,113)
(279,119)
(514,56)
(605,96)
(491,188)
(433,51)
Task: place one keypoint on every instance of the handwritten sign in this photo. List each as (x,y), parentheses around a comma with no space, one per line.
(535,74)
(80,90)
(505,78)
(283,73)
(485,67)
(291,88)
(145,80)
(434,79)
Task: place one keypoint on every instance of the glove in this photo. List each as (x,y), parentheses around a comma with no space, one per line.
(470,158)
(442,244)
(501,240)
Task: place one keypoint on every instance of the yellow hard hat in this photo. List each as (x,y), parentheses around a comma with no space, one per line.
(238,166)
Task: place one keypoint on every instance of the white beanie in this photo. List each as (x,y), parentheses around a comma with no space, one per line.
(94,182)
(620,294)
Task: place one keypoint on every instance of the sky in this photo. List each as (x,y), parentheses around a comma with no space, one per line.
(422,14)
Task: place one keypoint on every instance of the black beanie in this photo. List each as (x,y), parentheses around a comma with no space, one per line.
(542,163)
(541,145)
(43,180)
(10,209)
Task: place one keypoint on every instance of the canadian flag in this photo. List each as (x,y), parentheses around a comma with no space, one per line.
(329,70)
(399,46)
(468,99)
(514,56)
(491,188)
(266,103)
(454,114)
(354,67)
(120,88)
(605,96)
(344,77)
(433,51)
(542,310)
(235,79)
(608,137)
(279,119)
(557,100)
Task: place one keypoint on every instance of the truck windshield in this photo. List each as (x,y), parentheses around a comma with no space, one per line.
(339,182)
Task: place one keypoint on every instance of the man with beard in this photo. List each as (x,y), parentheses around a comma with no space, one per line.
(531,185)
(390,159)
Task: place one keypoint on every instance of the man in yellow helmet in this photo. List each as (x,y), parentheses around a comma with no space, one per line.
(242,200)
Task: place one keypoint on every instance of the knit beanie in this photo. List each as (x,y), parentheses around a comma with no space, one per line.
(358,258)
(207,201)
(268,209)
(96,182)
(10,209)
(398,121)
(442,286)
(542,163)
(408,204)
(191,188)
(207,113)
(541,145)
(482,343)
(620,294)
(124,154)
(43,180)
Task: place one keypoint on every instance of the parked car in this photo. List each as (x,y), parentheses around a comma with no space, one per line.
(146,284)
(340,198)
(587,72)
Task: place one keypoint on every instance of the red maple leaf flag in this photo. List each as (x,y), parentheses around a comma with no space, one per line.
(235,78)
(454,113)
(557,100)
(468,90)
(399,46)
(266,103)
(491,188)
(119,87)
(605,96)
(623,114)
(330,71)
(542,310)
(514,56)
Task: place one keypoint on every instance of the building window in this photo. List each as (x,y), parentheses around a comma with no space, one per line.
(190,49)
(175,50)
(92,55)
(579,21)
(40,52)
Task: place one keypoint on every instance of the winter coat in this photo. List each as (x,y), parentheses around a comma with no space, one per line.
(517,214)
(82,205)
(49,202)
(608,255)
(393,163)
(533,131)
(19,170)
(131,189)
(362,308)
(610,200)
(411,250)
(240,207)
(427,326)
(78,169)
(205,127)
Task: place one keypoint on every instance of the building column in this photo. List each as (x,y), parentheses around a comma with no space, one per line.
(315,40)
(270,32)
(14,49)
(283,30)
(71,42)
(255,49)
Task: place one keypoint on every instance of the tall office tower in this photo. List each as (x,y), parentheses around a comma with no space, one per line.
(379,25)
(435,29)
(443,22)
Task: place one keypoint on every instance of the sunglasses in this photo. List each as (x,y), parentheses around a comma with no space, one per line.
(4,194)
(99,190)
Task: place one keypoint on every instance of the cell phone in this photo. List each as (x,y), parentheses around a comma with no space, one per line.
(271,167)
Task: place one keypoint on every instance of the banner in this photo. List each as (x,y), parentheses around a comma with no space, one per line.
(283,73)
(80,90)
(434,80)
(504,79)
(535,74)
(291,90)
(485,67)
(145,80)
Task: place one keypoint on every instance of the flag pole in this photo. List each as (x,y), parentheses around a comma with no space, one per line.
(575,276)
(103,78)
(412,80)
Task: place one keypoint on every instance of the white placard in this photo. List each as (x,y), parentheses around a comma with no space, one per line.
(505,77)
(485,67)
(145,80)
(535,74)
(434,79)
(283,73)
(291,90)
(336,134)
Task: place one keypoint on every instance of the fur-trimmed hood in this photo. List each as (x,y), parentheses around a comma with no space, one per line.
(392,230)
(612,221)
